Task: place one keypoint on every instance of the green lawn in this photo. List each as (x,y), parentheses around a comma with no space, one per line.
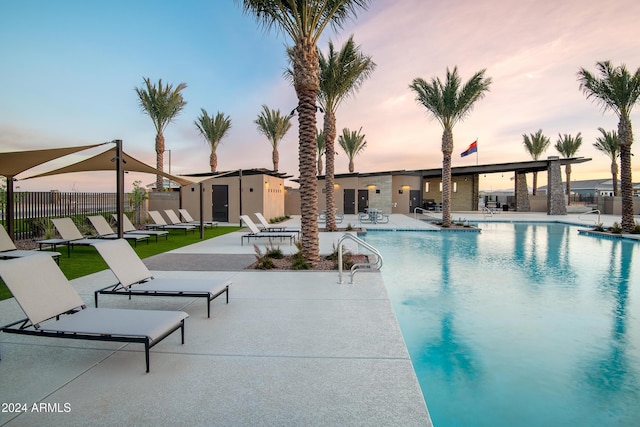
(85,260)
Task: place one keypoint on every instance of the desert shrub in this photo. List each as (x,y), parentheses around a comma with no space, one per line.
(264,261)
(599,227)
(273,252)
(616,228)
(299,262)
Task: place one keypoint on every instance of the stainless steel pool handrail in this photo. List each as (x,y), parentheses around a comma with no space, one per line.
(590,212)
(363,266)
(415,211)
(486,210)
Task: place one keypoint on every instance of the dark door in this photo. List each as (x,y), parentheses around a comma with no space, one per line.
(414,200)
(350,201)
(220,198)
(363,200)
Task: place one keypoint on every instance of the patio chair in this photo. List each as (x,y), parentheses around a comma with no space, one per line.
(272,227)
(159,222)
(135,279)
(257,234)
(8,249)
(54,309)
(104,230)
(188,219)
(129,228)
(69,235)
(174,220)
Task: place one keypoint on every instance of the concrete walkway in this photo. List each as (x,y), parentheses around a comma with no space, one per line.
(290,348)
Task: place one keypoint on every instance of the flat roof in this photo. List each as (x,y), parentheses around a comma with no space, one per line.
(519,167)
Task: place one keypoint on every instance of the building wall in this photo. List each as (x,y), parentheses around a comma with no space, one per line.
(401,187)
(379,192)
(260,193)
(464,192)
(161,200)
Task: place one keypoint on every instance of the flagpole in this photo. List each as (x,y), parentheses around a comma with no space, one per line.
(476,151)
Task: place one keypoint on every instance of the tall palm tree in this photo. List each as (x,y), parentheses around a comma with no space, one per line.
(162,103)
(536,144)
(352,143)
(320,147)
(213,129)
(274,126)
(618,90)
(449,103)
(304,21)
(568,146)
(341,75)
(609,145)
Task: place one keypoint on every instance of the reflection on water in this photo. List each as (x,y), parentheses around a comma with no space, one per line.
(522,324)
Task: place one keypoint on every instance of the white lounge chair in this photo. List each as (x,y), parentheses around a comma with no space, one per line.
(135,279)
(160,223)
(174,220)
(257,234)
(69,235)
(273,227)
(54,309)
(104,230)
(8,249)
(189,219)
(129,228)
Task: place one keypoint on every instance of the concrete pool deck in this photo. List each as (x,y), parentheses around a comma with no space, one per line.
(290,348)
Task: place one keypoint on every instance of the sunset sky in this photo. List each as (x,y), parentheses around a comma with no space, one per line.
(69,68)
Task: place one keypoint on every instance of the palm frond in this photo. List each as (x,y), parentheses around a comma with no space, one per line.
(213,129)
(608,143)
(568,145)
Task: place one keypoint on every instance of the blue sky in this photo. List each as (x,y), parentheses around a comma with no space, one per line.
(69,69)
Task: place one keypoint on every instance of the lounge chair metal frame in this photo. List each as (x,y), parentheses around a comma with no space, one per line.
(148,343)
(257,234)
(104,231)
(274,228)
(61,302)
(129,228)
(159,222)
(188,219)
(138,268)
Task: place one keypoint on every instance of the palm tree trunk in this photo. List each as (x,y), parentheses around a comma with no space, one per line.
(213,161)
(614,177)
(159,160)
(319,165)
(307,85)
(567,171)
(535,184)
(625,135)
(276,159)
(447,149)
(351,166)
(329,180)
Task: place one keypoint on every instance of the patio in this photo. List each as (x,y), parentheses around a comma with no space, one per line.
(290,348)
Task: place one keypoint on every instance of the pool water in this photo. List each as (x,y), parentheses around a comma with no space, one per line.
(519,325)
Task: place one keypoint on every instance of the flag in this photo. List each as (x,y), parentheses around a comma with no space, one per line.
(473,148)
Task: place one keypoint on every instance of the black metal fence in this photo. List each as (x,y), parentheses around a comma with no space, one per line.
(32,209)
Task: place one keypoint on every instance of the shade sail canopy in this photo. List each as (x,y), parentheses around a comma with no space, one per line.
(104,162)
(15,162)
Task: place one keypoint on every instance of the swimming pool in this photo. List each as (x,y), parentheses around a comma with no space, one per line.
(519,325)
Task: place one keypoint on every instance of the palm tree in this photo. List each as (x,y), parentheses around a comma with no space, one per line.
(341,75)
(213,129)
(274,126)
(162,104)
(536,144)
(304,22)
(449,103)
(618,90)
(320,147)
(608,144)
(352,143)
(568,146)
